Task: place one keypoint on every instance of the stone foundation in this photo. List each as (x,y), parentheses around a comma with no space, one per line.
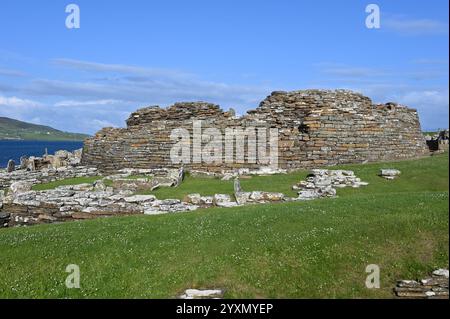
(434,287)
(23,207)
(45,175)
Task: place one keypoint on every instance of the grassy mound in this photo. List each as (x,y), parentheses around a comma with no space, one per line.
(316,249)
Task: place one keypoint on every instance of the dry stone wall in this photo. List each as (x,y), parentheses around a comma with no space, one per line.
(315,128)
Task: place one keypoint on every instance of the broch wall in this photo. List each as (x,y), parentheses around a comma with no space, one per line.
(315,128)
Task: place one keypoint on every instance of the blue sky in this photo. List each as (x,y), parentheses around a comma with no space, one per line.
(131,54)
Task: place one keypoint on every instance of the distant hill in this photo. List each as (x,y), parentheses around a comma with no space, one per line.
(11,129)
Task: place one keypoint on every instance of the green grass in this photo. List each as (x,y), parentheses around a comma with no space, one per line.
(207,186)
(316,249)
(416,176)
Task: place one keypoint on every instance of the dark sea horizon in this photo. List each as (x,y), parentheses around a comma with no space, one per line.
(14,149)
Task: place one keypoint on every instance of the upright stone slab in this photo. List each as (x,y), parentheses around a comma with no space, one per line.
(11,166)
(237,185)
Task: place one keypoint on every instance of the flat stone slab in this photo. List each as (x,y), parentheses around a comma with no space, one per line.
(441,273)
(389,173)
(202,294)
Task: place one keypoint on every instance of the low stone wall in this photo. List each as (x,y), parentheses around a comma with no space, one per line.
(439,142)
(433,287)
(23,206)
(45,175)
(315,128)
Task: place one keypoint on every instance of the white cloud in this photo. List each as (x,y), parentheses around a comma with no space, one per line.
(118,68)
(88,103)
(99,124)
(144,86)
(12,73)
(351,72)
(409,26)
(425,69)
(107,99)
(17,102)
(82,119)
(19,108)
(428,61)
(432,105)
(433,97)
(414,87)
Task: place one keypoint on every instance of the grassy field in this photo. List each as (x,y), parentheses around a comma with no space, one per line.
(419,175)
(316,249)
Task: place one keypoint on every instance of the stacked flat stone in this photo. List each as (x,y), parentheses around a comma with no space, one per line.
(23,206)
(61,158)
(389,173)
(323,183)
(438,142)
(315,128)
(434,287)
(45,175)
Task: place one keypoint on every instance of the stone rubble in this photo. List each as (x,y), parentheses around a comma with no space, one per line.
(173,178)
(262,171)
(389,173)
(165,206)
(223,200)
(261,197)
(323,183)
(83,201)
(45,175)
(434,287)
(48,168)
(439,142)
(4,219)
(20,187)
(441,273)
(61,158)
(195,199)
(23,206)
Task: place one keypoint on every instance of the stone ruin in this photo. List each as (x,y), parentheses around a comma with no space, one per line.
(22,206)
(47,168)
(61,158)
(323,183)
(315,128)
(438,142)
